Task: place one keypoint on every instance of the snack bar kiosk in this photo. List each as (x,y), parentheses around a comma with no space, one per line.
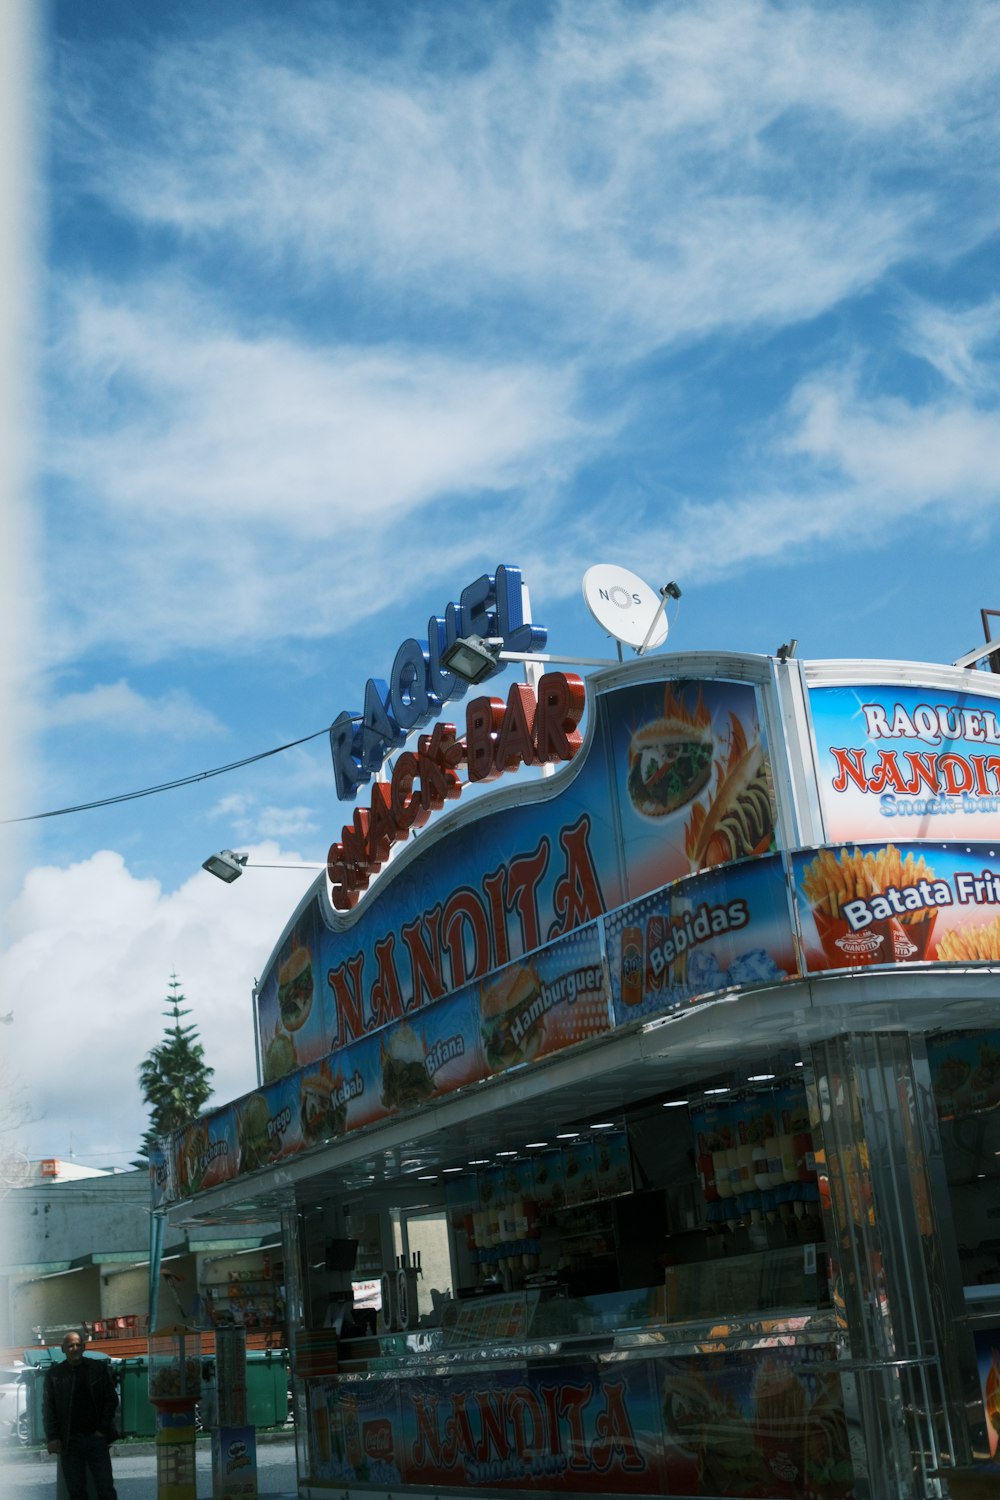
(634,1127)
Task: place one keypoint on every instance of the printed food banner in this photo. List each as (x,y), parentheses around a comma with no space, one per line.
(353,1431)
(754,1153)
(294,1007)
(430,1054)
(965,1072)
(767,1422)
(163,1160)
(755,1423)
(988,1360)
(556,998)
(729,928)
(674,778)
(584,1427)
(268,1125)
(898,903)
(691,777)
(205,1153)
(907,762)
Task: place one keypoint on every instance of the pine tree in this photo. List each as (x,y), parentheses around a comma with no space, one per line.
(174,1078)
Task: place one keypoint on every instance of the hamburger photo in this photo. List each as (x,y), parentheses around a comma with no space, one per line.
(321,1116)
(279,1056)
(405,1080)
(255,1149)
(295,988)
(511,1032)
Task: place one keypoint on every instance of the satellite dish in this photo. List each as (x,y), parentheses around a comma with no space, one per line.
(625,606)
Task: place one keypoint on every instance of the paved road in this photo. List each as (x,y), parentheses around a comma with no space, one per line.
(135,1474)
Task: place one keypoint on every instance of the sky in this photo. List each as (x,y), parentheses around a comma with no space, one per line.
(338,305)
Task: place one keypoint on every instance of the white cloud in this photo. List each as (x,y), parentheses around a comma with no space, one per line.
(955,341)
(240,487)
(898,453)
(835,465)
(266,429)
(119,708)
(249,821)
(233,806)
(90,951)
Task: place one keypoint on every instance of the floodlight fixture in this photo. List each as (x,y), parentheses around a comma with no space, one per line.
(472,657)
(476,657)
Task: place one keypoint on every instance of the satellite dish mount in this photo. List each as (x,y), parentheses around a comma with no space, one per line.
(626,607)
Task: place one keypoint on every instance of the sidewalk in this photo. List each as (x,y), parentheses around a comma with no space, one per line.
(144,1446)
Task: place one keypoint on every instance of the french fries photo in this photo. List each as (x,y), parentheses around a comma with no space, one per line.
(971,944)
(831,881)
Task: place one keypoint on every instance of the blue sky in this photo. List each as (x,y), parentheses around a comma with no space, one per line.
(342,304)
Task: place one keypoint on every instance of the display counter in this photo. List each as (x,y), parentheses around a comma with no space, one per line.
(722,1304)
(604,1394)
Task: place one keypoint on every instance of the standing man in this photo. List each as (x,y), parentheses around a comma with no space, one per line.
(79,1402)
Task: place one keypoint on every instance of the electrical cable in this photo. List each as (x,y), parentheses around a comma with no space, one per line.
(165,786)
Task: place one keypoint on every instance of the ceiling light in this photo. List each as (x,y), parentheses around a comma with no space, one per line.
(454,1169)
(529,1145)
(716,1091)
(506,1153)
(481,1161)
(673,1103)
(568,1135)
(760,1077)
(428,1177)
(604,1125)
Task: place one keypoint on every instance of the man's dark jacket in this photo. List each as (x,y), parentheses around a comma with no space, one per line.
(57,1398)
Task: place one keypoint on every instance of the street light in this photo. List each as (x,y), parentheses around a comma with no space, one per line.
(228,866)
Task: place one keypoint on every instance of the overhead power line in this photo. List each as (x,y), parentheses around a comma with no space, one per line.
(165,786)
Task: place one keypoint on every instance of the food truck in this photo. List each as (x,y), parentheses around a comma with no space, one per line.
(629,1087)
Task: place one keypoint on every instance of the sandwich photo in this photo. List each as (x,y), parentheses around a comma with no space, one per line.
(670,759)
(321,1117)
(511,1029)
(405,1079)
(295,988)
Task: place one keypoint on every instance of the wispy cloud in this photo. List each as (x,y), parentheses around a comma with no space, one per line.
(249,820)
(117,708)
(210,464)
(193,419)
(960,343)
(665,170)
(898,453)
(381,280)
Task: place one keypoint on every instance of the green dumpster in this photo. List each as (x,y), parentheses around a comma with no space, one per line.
(137,1417)
(267,1387)
(31,1403)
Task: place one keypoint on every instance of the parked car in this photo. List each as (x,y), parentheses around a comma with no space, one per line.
(13,1407)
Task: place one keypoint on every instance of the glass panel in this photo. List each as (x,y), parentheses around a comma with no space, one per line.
(965,1076)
